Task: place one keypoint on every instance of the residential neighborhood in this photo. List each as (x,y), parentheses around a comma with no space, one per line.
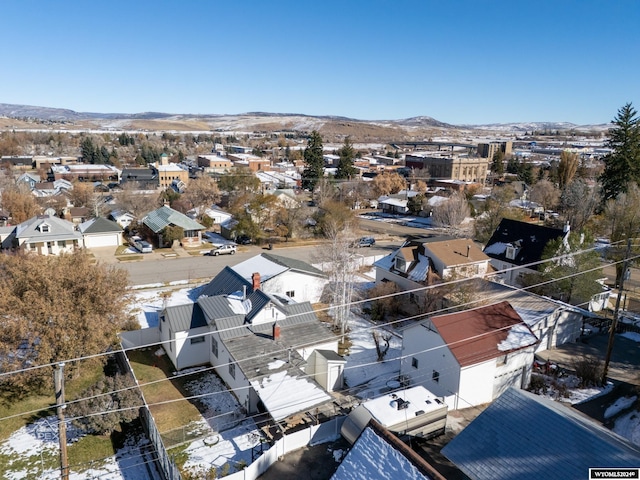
(470,291)
(335,241)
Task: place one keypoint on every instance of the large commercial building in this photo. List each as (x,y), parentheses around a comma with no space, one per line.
(449,167)
(488,150)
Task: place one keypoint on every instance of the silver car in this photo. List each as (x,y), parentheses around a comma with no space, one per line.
(223,250)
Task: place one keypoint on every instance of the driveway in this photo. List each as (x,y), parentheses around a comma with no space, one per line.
(625,359)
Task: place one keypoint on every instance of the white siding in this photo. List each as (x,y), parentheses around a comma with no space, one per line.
(431,354)
(306,288)
(476,384)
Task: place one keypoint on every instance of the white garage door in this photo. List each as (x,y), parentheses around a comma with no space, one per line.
(106,240)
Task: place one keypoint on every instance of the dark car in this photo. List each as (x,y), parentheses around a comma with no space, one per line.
(364,242)
(243,240)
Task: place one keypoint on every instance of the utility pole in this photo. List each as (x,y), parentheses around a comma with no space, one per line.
(58,380)
(614,322)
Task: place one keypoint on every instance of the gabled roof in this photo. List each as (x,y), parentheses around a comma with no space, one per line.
(529,239)
(227,281)
(460,251)
(185,317)
(522,436)
(380,455)
(277,263)
(34,229)
(483,333)
(99,225)
(165,216)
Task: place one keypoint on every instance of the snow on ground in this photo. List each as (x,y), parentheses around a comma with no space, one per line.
(619,405)
(362,368)
(566,389)
(37,443)
(231,435)
(147,304)
(631,336)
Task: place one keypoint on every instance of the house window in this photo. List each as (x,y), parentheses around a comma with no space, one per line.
(511,253)
(160,323)
(414,362)
(170,341)
(435,376)
(291,293)
(44,228)
(197,340)
(232,369)
(214,346)
(62,243)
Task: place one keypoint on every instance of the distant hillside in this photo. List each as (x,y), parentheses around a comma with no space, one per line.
(333,126)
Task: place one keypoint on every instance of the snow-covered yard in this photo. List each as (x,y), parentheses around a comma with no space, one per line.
(228,440)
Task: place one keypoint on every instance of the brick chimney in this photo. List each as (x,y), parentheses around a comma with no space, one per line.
(276,331)
(255,278)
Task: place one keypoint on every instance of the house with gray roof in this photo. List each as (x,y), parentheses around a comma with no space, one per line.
(522,436)
(100,232)
(272,352)
(283,277)
(46,235)
(166,216)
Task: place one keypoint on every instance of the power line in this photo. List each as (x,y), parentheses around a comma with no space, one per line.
(501,295)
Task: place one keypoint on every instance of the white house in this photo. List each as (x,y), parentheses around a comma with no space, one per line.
(552,321)
(122,218)
(46,235)
(272,352)
(469,357)
(283,277)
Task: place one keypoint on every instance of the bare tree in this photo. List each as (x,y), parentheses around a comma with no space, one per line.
(567,168)
(388,183)
(339,263)
(381,340)
(137,202)
(451,214)
(202,192)
(578,202)
(622,216)
(545,193)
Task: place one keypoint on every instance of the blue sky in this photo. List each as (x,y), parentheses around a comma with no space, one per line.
(461,62)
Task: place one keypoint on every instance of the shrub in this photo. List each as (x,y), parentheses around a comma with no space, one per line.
(589,370)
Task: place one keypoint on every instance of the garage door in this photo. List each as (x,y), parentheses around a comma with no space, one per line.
(106,240)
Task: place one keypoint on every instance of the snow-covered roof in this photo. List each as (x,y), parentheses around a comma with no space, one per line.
(419,401)
(497,248)
(378,457)
(267,268)
(284,395)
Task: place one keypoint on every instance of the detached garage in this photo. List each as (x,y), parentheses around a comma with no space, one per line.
(100,232)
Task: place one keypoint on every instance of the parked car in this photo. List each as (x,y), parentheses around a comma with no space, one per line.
(223,250)
(364,242)
(139,244)
(243,240)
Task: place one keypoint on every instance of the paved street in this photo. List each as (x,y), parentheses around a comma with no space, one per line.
(153,268)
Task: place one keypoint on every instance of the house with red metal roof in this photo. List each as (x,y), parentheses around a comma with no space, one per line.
(469,357)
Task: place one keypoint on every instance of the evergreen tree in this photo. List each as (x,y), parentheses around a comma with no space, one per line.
(88,150)
(314,161)
(346,169)
(497,163)
(622,165)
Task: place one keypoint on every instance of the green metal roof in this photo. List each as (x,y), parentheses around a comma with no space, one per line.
(165,216)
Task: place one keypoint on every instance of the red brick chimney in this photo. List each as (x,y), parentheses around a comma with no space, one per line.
(255,278)
(276,331)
